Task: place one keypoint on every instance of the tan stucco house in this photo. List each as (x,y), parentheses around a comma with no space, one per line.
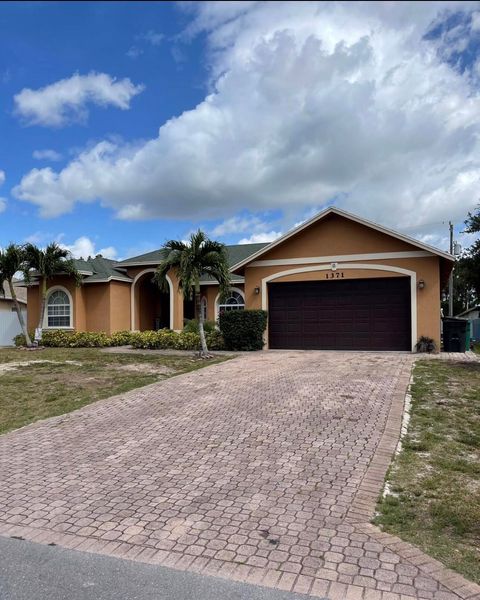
(335,282)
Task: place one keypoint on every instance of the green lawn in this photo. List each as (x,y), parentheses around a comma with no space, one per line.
(73,377)
(434,497)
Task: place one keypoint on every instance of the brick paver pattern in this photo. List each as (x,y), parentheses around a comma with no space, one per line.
(249,467)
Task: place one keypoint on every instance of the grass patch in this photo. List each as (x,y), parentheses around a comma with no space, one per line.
(65,379)
(434,498)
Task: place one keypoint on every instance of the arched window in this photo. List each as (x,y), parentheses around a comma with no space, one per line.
(234,301)
(203,307)
(59,310)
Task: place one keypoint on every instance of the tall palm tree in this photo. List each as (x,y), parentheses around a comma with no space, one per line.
(45,264)
(12,260)
(189,261)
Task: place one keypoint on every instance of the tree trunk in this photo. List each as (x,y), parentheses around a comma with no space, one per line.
(198,304)
(43,291)
(18,310)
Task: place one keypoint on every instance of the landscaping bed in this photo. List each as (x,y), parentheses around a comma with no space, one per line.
(45,383)
(432,497)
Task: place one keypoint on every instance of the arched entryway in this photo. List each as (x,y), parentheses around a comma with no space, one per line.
(151,307)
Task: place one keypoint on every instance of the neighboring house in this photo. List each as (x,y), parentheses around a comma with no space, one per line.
(473,315)
(9,324)
(335,282)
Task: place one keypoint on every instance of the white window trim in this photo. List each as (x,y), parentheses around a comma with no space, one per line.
(132,297)
(218,304)
(365,266)
(50,291)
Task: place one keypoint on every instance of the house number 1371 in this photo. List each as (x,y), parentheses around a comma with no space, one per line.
(335,275)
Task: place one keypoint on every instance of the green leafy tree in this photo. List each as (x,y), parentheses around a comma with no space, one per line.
(12,260)
(469,264)
(190,261)
(45,264)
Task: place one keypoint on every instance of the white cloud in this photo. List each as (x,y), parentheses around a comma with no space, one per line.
(134,52)
(84,247)
(257,238)
(65,101)
(3,204)
(50,155)
(239,224)
(2,177)
(310,103)
(155,38)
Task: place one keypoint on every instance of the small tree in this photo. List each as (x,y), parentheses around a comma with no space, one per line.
(470,263)
(45,264)
(12,260)
(189,261)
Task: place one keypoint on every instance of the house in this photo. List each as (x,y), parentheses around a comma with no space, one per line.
(473,315)
(336,281)
(9,324)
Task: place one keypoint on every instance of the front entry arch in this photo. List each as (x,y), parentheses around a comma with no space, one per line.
(150,308)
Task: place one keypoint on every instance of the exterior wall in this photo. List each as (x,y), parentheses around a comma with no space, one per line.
(119,306)
(9,323)
(337,236)
(97,297)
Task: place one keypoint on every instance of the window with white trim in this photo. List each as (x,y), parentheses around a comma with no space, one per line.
(234,301)
(59,309)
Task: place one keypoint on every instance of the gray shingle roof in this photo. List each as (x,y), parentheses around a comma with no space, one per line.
(20,290)
(100,269)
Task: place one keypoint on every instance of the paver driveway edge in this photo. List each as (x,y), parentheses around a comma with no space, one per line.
(358,517)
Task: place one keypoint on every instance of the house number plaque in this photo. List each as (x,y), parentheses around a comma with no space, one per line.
(334,275)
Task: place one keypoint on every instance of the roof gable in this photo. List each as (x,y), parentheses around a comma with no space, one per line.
(404,242)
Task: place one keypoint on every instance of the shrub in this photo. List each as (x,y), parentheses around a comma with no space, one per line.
(425,344)
(191,326)
(120,338)
(163,339)
(243,329)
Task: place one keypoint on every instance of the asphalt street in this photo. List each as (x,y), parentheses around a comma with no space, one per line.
(30,571)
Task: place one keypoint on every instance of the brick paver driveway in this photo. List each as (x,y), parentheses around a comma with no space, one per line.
(264,468)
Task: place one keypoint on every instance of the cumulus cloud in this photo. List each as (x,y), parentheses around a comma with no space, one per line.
(257,238)
(3,204)
(84,247)
(65,101)
(309,103)
(239,224)
(2,177)
(47,154)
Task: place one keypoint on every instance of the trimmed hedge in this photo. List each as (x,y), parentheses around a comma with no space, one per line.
(162,339)
(191,326)
(166,339)
(243,329)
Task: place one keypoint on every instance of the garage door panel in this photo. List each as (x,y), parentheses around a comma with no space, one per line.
(360,314)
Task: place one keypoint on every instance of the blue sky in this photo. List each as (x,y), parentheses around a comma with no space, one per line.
(126,124)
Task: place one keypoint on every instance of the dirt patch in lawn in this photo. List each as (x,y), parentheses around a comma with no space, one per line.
(64,379)
(433,487)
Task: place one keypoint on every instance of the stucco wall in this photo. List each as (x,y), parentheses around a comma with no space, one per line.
(119,306)
(97,296)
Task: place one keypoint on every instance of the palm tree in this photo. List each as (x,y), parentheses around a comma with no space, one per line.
(190,261)
(45,264)
(12,261)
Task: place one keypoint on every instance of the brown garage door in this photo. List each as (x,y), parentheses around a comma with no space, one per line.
(350,314)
